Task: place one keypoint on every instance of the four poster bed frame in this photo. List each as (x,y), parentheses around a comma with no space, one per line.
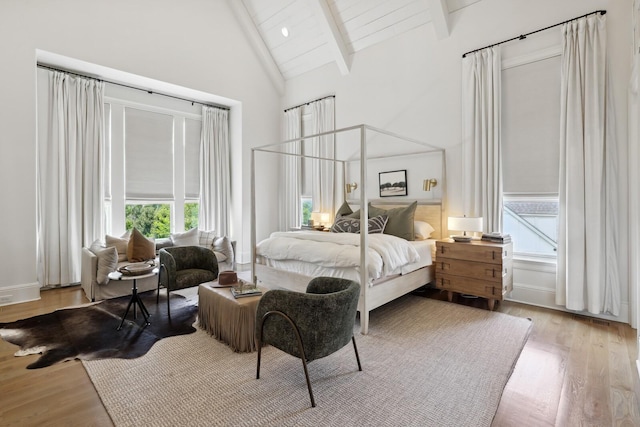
(385,289)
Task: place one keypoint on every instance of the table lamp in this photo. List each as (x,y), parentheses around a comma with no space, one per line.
(464,224)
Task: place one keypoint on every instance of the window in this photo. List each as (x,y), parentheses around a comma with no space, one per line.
(191,215)
(533,224)
(306,210)
(153,169)
(530,142)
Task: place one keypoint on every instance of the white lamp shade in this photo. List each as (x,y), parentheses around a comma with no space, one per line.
(460,223)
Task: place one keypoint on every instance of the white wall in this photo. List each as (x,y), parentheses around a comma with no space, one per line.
(411,85)
(196,44)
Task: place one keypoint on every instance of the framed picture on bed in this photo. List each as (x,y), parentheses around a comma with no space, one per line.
(393,183)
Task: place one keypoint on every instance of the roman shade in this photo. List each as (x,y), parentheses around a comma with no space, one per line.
(148,155)
(530,127)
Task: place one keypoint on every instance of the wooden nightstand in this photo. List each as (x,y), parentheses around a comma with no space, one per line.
(477,268)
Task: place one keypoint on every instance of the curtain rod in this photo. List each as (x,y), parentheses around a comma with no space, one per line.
(310,102)
(130,87)
(524,36)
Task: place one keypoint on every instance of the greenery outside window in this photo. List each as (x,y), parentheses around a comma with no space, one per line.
(306,205)
(152,220)
(191,215)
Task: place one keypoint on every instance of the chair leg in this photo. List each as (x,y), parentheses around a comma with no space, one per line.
(158,291)
(306,374)
(168,304)
(353,339)
(259,356)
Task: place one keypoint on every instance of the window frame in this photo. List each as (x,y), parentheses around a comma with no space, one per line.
(116,168)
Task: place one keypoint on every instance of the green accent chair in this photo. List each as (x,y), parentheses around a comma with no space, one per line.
(309,325)
(183,267)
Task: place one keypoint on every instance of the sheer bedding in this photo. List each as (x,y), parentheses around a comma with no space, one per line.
(314,253)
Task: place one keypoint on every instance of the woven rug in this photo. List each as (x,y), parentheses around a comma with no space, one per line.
(425,363)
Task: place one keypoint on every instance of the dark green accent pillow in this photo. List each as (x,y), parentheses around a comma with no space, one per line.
(400,221)
(344,210)
(355,214)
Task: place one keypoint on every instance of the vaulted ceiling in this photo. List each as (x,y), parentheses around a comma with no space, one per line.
(324,31)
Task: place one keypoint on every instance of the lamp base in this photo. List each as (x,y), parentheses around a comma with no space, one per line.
(461,239)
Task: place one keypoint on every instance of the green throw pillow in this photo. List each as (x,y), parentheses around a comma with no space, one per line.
(344,210)
(400,221)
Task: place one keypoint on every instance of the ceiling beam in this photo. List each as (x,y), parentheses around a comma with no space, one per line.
(440,17)
(256,41)
(334,38)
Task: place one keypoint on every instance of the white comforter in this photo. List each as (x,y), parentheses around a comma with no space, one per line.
(385,253)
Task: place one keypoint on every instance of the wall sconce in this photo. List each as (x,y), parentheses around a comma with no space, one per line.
(464,224)
(350,187)
(428,184)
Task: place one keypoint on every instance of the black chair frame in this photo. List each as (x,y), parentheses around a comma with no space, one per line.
(300,347)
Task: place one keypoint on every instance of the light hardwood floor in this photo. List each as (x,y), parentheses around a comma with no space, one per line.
(573,371)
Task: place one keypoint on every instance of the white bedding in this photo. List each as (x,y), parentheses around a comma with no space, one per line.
(315,253)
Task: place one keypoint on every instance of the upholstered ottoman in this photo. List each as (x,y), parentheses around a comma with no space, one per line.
(226,318)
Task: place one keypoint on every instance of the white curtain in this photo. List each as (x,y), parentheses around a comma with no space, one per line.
(70,193)
(482,158)
(587,272)
(323,171)
(291,172)
(215,184)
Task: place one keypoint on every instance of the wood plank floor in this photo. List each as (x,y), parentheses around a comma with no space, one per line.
(573,371)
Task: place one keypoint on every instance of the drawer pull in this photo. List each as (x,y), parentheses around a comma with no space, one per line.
(445,266)
(444,283)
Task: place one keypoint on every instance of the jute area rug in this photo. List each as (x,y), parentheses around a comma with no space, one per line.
(425,363)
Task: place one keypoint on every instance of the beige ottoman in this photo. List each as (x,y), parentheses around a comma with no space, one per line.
(226,318)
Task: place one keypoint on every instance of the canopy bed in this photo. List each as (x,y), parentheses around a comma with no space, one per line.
(389,261)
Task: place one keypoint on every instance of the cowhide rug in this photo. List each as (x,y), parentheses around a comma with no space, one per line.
(89,332)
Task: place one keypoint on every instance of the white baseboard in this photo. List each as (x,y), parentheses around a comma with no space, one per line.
(544,297)
(19,293)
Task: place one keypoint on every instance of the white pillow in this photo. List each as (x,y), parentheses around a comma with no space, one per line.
(422,230)
(120,243)
(107,261)
(223,245)
(188,238)
(220,256)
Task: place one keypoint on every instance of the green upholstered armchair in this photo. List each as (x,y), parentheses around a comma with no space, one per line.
(309,325)
(185,266)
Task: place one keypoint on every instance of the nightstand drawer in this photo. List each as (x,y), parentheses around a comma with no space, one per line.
(480,288)
(473,269)
(474,251)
